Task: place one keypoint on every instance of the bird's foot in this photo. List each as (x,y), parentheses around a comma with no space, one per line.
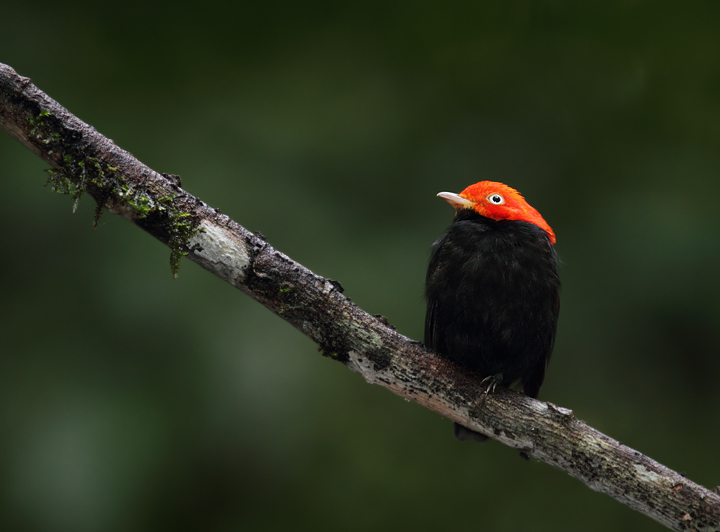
(490,383)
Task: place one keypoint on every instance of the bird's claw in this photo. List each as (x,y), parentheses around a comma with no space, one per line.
(490,383)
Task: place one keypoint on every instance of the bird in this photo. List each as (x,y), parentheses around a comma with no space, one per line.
(492,291)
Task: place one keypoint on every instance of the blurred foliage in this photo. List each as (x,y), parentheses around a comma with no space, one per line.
(129,401)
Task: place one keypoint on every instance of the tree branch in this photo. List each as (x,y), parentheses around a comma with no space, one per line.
(83,161)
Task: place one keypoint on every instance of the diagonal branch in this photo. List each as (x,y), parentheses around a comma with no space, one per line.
(84,161)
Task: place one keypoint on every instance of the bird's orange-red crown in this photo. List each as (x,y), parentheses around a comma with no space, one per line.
(497,202)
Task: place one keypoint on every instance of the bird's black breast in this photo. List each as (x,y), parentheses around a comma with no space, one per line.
(492,298)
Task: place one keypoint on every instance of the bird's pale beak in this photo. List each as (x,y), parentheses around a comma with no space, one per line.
(455,200)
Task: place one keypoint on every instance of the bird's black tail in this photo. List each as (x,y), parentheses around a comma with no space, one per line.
(463,434)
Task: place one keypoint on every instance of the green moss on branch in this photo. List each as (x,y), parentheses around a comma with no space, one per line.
(75,174)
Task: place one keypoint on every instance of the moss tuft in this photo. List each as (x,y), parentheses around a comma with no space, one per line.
(77,173)
(74,177)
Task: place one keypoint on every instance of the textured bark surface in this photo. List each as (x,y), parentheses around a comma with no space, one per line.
(317,307)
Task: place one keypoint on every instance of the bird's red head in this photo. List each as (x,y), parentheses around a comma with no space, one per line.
(497,202)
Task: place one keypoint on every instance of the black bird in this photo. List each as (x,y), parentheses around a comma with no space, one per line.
(492,290)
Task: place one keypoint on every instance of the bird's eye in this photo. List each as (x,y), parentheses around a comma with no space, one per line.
(496,199)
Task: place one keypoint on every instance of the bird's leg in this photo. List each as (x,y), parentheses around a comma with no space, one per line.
(490,383)
(463,433)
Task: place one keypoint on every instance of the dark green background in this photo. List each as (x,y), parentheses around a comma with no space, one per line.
(131,401)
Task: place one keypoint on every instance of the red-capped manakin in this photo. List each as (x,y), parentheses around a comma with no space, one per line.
(492,290)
